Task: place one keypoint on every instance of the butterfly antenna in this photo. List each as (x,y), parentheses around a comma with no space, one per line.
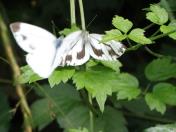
(91,21)
(54,27)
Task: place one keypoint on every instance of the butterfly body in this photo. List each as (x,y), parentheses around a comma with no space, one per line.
(45,52)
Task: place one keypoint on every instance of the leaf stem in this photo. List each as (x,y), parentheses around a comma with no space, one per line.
(72,12)
(149,26)
(91,114)
(162,35)
(153,53)
(82,14)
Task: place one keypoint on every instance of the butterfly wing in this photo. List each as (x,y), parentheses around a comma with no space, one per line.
(109,51)
(39,44)
(73,50)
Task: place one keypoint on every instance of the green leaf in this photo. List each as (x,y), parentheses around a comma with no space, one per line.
(67,31)
(122,24)
(154,103)
(126,87)
(162,128)
(58,103)
(113,34)
(168,29)
(166,93)
(158,15)
(114,65)
(111,121)
(60,74)
(78,130)
(160,69)
(28,76)
(98,83)
(137,35)
(128,93)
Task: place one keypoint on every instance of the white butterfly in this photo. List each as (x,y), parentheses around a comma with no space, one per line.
(46,52)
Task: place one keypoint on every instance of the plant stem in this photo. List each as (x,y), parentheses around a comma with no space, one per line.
(82,14)
(162,35)
(91,114)
(149,26)
(153,53)
(72,12)
(16,72)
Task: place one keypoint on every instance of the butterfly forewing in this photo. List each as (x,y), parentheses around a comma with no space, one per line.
(39,44)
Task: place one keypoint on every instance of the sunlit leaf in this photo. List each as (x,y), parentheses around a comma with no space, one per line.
(158,15)
(113,34)
(122,24)
(60,74)
(137,35)
(99,83)
(67,31)
(170,28)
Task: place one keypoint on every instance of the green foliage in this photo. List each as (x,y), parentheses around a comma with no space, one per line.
(122,24)
(157,15)
(67,31)
(171,29)
(162,94)
(100,87)
(160,69)
(137,35)
(28,76)
(162,128)
(113,34)
(60,102)
(111,120)
(78,130)
(126,87)
(60,74)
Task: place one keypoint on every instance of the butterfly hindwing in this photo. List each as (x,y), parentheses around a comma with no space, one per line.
(109,51)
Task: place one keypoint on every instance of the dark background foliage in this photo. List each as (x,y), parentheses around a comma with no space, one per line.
(44,12)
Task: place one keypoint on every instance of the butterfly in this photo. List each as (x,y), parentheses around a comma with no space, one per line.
(45,52)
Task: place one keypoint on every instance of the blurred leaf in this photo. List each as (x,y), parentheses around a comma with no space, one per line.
(67,31)
(28,76)
(58,103)
(111,121)
(158,15)
(60,74)
(126,86)
(77,117)
(162,128)
(160,69)
(122,24)
(5,115)
(137,35)
(113,34)
(171,27)
(155,103)
(98,83)
(166,93)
